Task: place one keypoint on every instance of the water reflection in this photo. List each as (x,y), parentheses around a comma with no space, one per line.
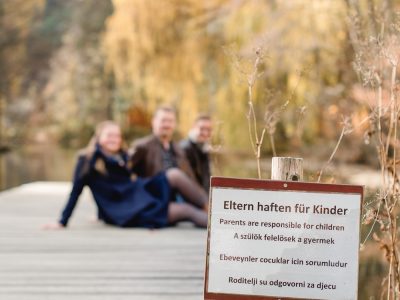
(36,163)
(53,163)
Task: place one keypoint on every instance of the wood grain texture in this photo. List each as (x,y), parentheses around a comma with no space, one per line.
(287,168)
(91,260)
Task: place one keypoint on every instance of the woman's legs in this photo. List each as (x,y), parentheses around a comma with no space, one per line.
(186,212)
(187,188)
(192,193)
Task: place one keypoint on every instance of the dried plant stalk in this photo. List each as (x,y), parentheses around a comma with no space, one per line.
(376,58)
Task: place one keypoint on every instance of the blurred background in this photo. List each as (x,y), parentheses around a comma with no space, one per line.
(66,65)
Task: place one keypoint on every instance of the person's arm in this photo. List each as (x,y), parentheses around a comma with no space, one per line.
(136,156)
(78,184)
(183,157)
(189,154)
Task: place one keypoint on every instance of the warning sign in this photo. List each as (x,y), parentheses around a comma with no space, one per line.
(276,239)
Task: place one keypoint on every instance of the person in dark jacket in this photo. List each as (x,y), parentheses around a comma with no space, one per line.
(158,152)
(196,148)
(125,201)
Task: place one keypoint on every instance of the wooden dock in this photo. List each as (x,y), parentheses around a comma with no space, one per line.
(91,260)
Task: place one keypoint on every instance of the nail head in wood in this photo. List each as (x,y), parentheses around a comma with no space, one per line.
(287,168)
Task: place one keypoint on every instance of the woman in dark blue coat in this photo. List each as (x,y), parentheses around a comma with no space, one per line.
(126,201)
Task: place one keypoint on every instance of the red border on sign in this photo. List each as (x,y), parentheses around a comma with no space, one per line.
(278,185)
(270,185)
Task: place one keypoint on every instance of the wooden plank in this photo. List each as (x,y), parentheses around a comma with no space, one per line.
(91,260)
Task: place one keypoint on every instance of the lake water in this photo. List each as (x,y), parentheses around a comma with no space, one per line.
(53,163)
(36,163)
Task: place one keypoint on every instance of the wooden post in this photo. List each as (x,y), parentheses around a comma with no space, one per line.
(287,168)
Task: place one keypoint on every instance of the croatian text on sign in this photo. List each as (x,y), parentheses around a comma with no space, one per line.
(282,239)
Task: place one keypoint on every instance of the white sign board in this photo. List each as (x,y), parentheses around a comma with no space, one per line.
(282,239)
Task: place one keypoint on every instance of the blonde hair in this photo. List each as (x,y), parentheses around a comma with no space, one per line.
(90,149)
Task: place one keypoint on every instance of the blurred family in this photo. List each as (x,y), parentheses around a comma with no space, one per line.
(138,187)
